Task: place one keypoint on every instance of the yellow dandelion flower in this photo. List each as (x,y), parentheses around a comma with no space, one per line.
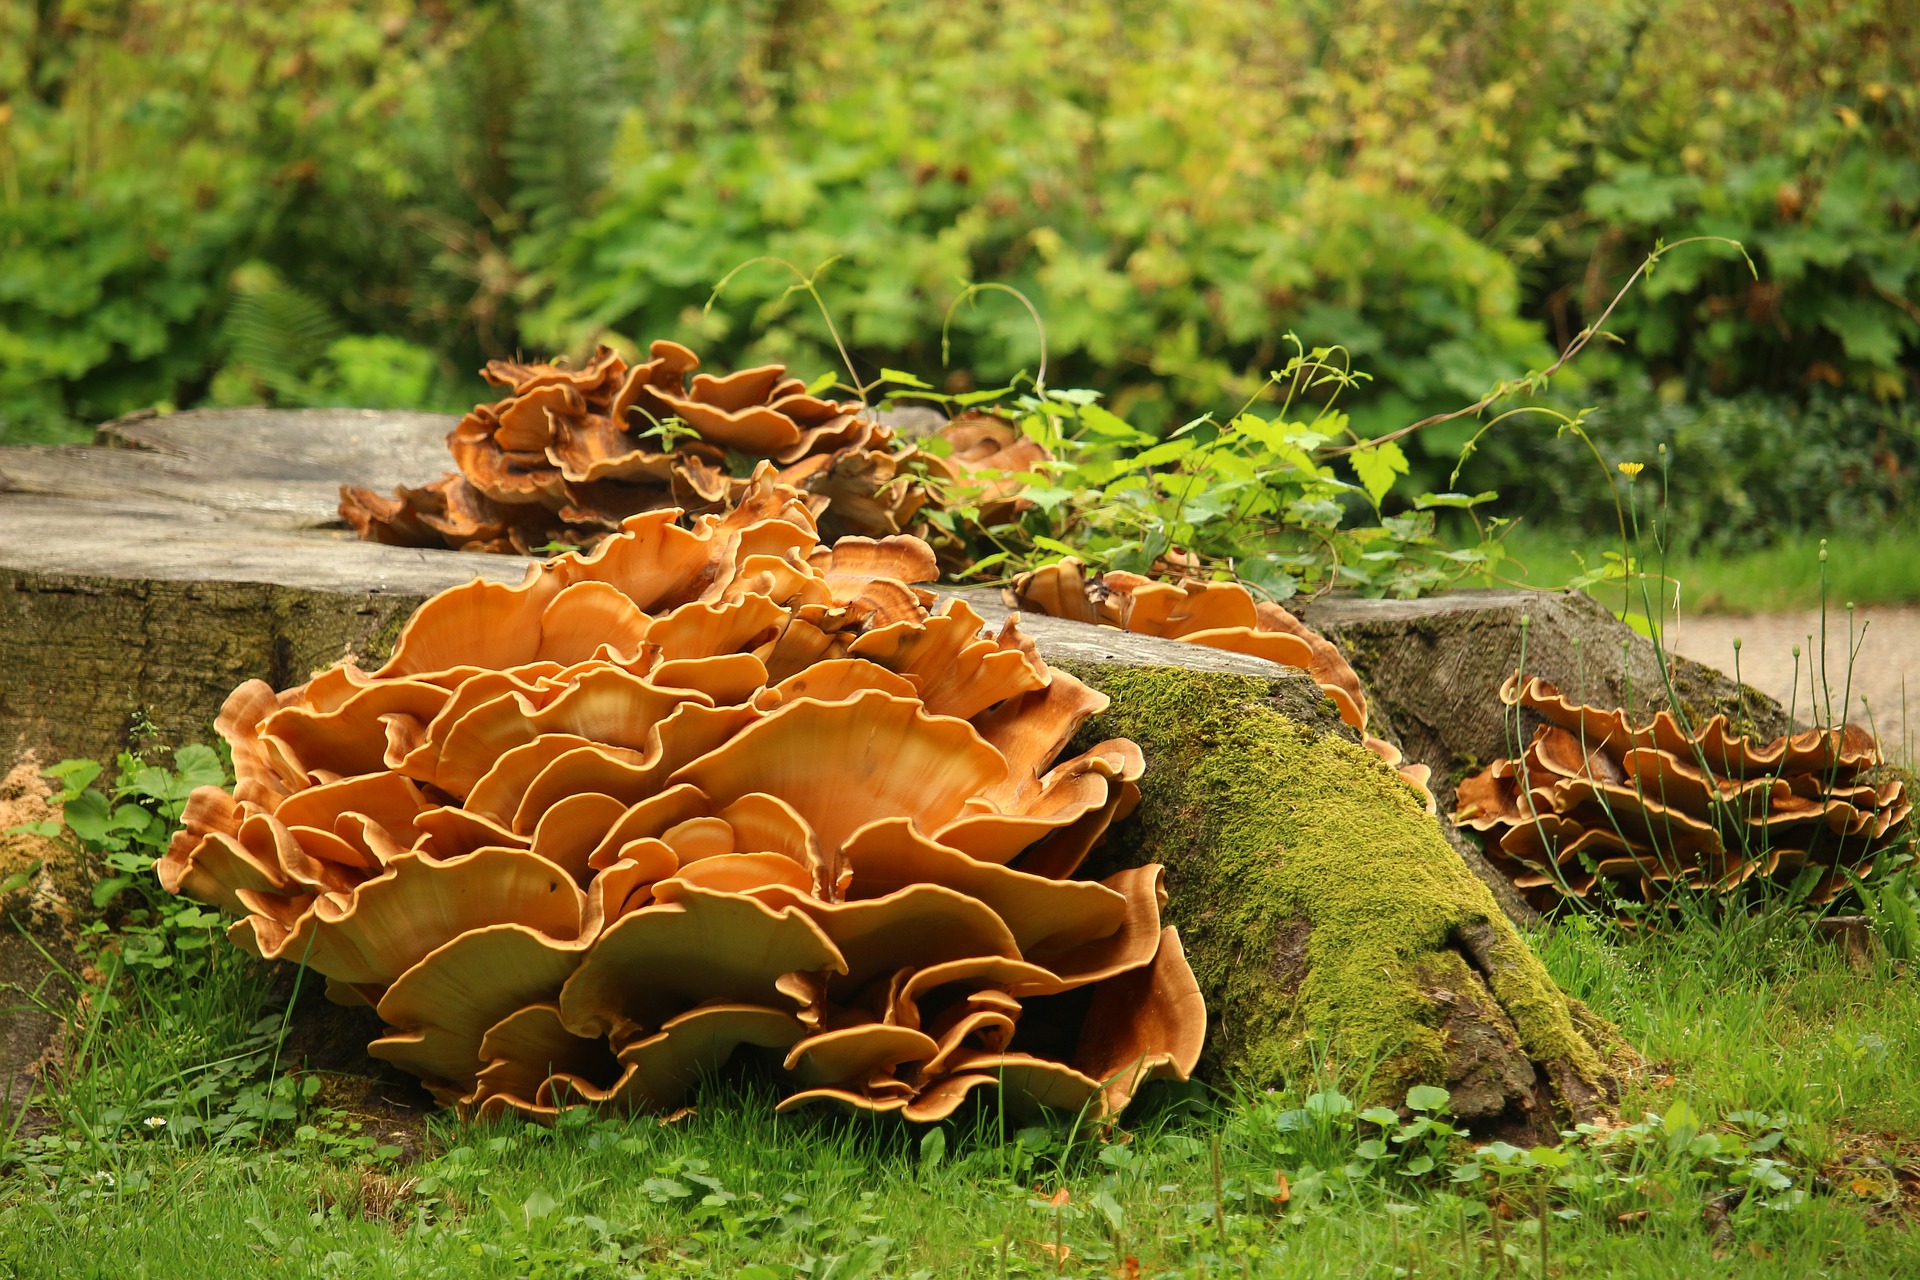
(1632,469)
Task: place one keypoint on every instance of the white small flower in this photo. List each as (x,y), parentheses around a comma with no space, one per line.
(155,1122)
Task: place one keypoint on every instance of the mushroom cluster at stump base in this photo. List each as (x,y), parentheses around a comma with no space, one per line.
(707,787)
(1638,811)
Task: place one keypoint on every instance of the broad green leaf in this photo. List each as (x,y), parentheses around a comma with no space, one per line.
(105,891)
(199,766)
(1161,454)
(74,776)
(1427,1097)
(152,781)
(900,379)
(1428,501)
(88,816)
(1869,331)
(1681,1123)
(933,1148)
(21,878)
(1104,422)
(1378,466)
(822,383)
(969,398)
(1292,1121)
(1329,1102)
(1205,507)
(661,1190)
(1046,496)
(537,1206)
(1271,434)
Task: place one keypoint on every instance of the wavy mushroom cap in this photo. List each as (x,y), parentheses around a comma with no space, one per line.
(567,454)
(1217,615)
(1639,809)
(711,786)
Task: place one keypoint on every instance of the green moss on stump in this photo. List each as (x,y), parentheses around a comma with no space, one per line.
(1320,906)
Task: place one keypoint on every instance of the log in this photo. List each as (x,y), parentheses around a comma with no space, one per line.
(1326,915)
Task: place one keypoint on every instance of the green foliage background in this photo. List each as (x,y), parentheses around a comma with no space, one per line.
(315,201)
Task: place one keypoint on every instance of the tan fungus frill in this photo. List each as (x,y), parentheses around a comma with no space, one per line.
(1219,615)
(1650,808)
(568,454)
(580,839)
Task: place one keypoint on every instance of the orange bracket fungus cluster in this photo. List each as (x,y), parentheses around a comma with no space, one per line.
(1220,615)
(568,454)
(1652,808)
(715,786)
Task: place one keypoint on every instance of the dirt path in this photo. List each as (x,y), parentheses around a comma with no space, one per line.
(1889,656)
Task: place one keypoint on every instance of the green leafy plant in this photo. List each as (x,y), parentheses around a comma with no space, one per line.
(1767,140)
(1246,497)
(284,347)
(122,828)
(1891,899)
(149,151)
(170,1038)
(1444,190)
(1328,1143)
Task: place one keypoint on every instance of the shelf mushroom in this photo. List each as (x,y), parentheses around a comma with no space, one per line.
(713,785)
(1599,805)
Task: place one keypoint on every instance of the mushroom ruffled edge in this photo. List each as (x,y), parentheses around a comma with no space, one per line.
(714,786)
(1599,805)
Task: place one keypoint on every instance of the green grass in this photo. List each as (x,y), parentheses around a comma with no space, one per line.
(1751,1015)
(1785,576)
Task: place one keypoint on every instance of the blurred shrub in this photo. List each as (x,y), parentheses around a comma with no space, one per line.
(1744,470)
(149,149)
(1178,186)
(282,346)
(1792,127)
(1175,186)
(1448,189)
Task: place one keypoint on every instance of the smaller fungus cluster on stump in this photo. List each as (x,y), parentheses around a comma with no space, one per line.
(568,454)
(1597,802)
(581,838)
(1219,615)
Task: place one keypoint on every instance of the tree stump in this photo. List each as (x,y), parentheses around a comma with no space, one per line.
(1326,915)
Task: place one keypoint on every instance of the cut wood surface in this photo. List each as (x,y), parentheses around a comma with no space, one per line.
(141,581)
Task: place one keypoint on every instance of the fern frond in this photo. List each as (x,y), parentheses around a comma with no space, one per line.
(563,124)
(277,331)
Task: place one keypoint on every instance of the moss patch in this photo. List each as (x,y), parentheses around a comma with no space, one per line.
(1312,891)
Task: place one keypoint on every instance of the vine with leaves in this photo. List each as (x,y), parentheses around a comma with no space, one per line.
(1283,494)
